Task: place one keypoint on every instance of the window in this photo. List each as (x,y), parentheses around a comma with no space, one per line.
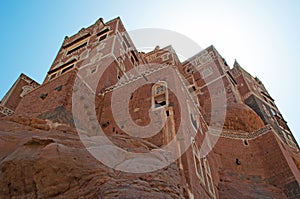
(189,70)
(231,78)
(266,110)
(268,98)
(76,48)
(121,69)
(165,57)
(67,68)
(159,95)
(103,34)
(52,76)
(126,41)
(133,58)
(102,37)
(77,44)
(160,89)
(26,89)
(57,71)
(124,45)
(103,31)
(272,103)
(6,111)
(194,121)
(160,101)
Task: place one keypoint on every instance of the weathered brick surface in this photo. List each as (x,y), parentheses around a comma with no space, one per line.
(21,87)
(262,160)
(48,97)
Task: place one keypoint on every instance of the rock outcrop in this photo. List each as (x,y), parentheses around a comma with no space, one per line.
(39,159)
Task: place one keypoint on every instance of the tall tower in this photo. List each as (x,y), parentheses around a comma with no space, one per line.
(256,154)
(88,46)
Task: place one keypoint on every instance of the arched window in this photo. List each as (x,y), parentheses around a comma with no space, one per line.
(159,95)
(121,68)
(26,89)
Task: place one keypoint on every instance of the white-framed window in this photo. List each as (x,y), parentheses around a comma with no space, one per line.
(159,95)
(133,58)
(125,42)
(165,57)
(160,89)
(103,34)
(52,76)
(26,89)
(61,69)
(189,70)
(77,44)
(121,68)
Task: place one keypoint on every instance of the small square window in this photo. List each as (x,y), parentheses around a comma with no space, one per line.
(165,57)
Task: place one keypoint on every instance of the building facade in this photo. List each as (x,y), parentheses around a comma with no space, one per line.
(255,153)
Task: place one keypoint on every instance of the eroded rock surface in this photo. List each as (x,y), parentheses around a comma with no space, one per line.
(40,161)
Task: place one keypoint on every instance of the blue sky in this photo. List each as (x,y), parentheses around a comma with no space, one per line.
(262,35)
